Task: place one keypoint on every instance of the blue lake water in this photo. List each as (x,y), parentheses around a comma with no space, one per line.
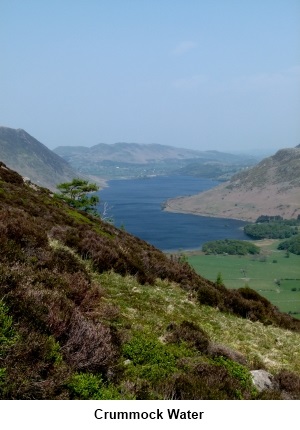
(136,204)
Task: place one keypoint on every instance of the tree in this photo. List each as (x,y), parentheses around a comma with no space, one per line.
(76,194)
(219,280)
(230,246)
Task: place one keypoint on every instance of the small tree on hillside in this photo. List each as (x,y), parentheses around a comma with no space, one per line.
(219,280)
(76,194)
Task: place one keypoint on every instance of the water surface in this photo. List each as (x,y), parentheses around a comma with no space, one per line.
(136,204)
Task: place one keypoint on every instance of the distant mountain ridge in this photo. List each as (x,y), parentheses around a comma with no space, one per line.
(272,187)
(134,153)
(25,154)
(135,159)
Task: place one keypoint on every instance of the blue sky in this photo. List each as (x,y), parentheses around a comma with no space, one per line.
(206,74)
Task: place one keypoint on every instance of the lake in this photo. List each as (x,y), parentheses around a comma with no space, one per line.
(136,205)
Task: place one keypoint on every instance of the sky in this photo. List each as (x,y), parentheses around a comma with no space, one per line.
(201,74)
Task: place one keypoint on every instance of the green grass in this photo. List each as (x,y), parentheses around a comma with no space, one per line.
(272,274)
(150,309)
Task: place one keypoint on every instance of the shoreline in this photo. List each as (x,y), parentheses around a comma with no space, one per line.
(168,208)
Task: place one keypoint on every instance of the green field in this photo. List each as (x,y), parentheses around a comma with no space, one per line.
(273,274)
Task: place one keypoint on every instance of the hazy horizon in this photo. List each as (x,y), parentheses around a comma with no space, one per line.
(222,75)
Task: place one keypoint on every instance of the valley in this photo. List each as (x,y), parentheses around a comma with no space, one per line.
(133,160)
(273,273)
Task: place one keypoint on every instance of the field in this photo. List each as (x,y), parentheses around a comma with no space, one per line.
(273,273)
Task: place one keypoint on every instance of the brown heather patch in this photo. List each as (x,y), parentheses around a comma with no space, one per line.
(190,333)
(90,346)
(9,175)
(34,369)
(289,383)
(205,381)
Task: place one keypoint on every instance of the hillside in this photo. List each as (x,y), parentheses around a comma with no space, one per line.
(135,160)
(25,154)
(88,311)
(272,187)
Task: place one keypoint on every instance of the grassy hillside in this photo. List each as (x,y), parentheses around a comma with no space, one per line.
(88,311)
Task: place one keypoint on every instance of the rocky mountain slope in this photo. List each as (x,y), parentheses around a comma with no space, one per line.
(25,154)
(88,311)
(270,188)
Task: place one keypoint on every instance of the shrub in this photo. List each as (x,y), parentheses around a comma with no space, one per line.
(219,280)
(9,250)
(208,295)
(149,358)
(10,176)
(237,371)
(62,260)
(23,231)
(82,292)
(90,347)
(246,308)
(206,382)
(217,350)
(289,383)
(2,382)
(291,245)
(189,333)
(34,368)
(249,294)
(87,386)
(7,332)
(46,310)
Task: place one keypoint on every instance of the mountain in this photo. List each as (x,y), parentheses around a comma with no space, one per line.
(25,154)
(272,187)
(88,311)
(135,160)
(134,153)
